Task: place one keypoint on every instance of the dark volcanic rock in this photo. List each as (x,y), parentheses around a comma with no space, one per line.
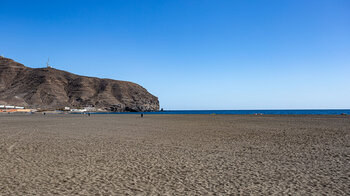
(49,88)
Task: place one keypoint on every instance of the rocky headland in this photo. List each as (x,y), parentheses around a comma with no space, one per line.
(49,88)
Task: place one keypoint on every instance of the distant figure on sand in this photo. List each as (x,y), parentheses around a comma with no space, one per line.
(141,115)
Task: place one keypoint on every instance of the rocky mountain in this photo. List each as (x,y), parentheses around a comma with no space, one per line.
(49,88)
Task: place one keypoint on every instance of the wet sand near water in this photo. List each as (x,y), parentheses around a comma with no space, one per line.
(174,155)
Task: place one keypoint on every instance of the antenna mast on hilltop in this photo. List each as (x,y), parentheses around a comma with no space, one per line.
(47,63)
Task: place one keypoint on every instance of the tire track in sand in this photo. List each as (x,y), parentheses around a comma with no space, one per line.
(17,156)
(14,144)
(9,138)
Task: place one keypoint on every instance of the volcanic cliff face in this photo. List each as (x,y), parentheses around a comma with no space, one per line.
(49,88)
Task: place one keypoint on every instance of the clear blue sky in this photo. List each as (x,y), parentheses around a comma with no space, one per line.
(234,54)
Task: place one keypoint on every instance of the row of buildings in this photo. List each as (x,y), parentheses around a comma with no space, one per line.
(11,108)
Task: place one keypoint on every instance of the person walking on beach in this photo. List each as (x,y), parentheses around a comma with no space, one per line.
(141,115)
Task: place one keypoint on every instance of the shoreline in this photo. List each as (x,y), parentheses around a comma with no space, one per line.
(343,112)
(165,114)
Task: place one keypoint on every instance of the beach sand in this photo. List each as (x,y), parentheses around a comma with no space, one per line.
(174,155)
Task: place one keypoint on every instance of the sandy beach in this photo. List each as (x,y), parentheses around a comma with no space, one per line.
(174,155)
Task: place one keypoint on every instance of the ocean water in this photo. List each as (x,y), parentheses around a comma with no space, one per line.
(287,112)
